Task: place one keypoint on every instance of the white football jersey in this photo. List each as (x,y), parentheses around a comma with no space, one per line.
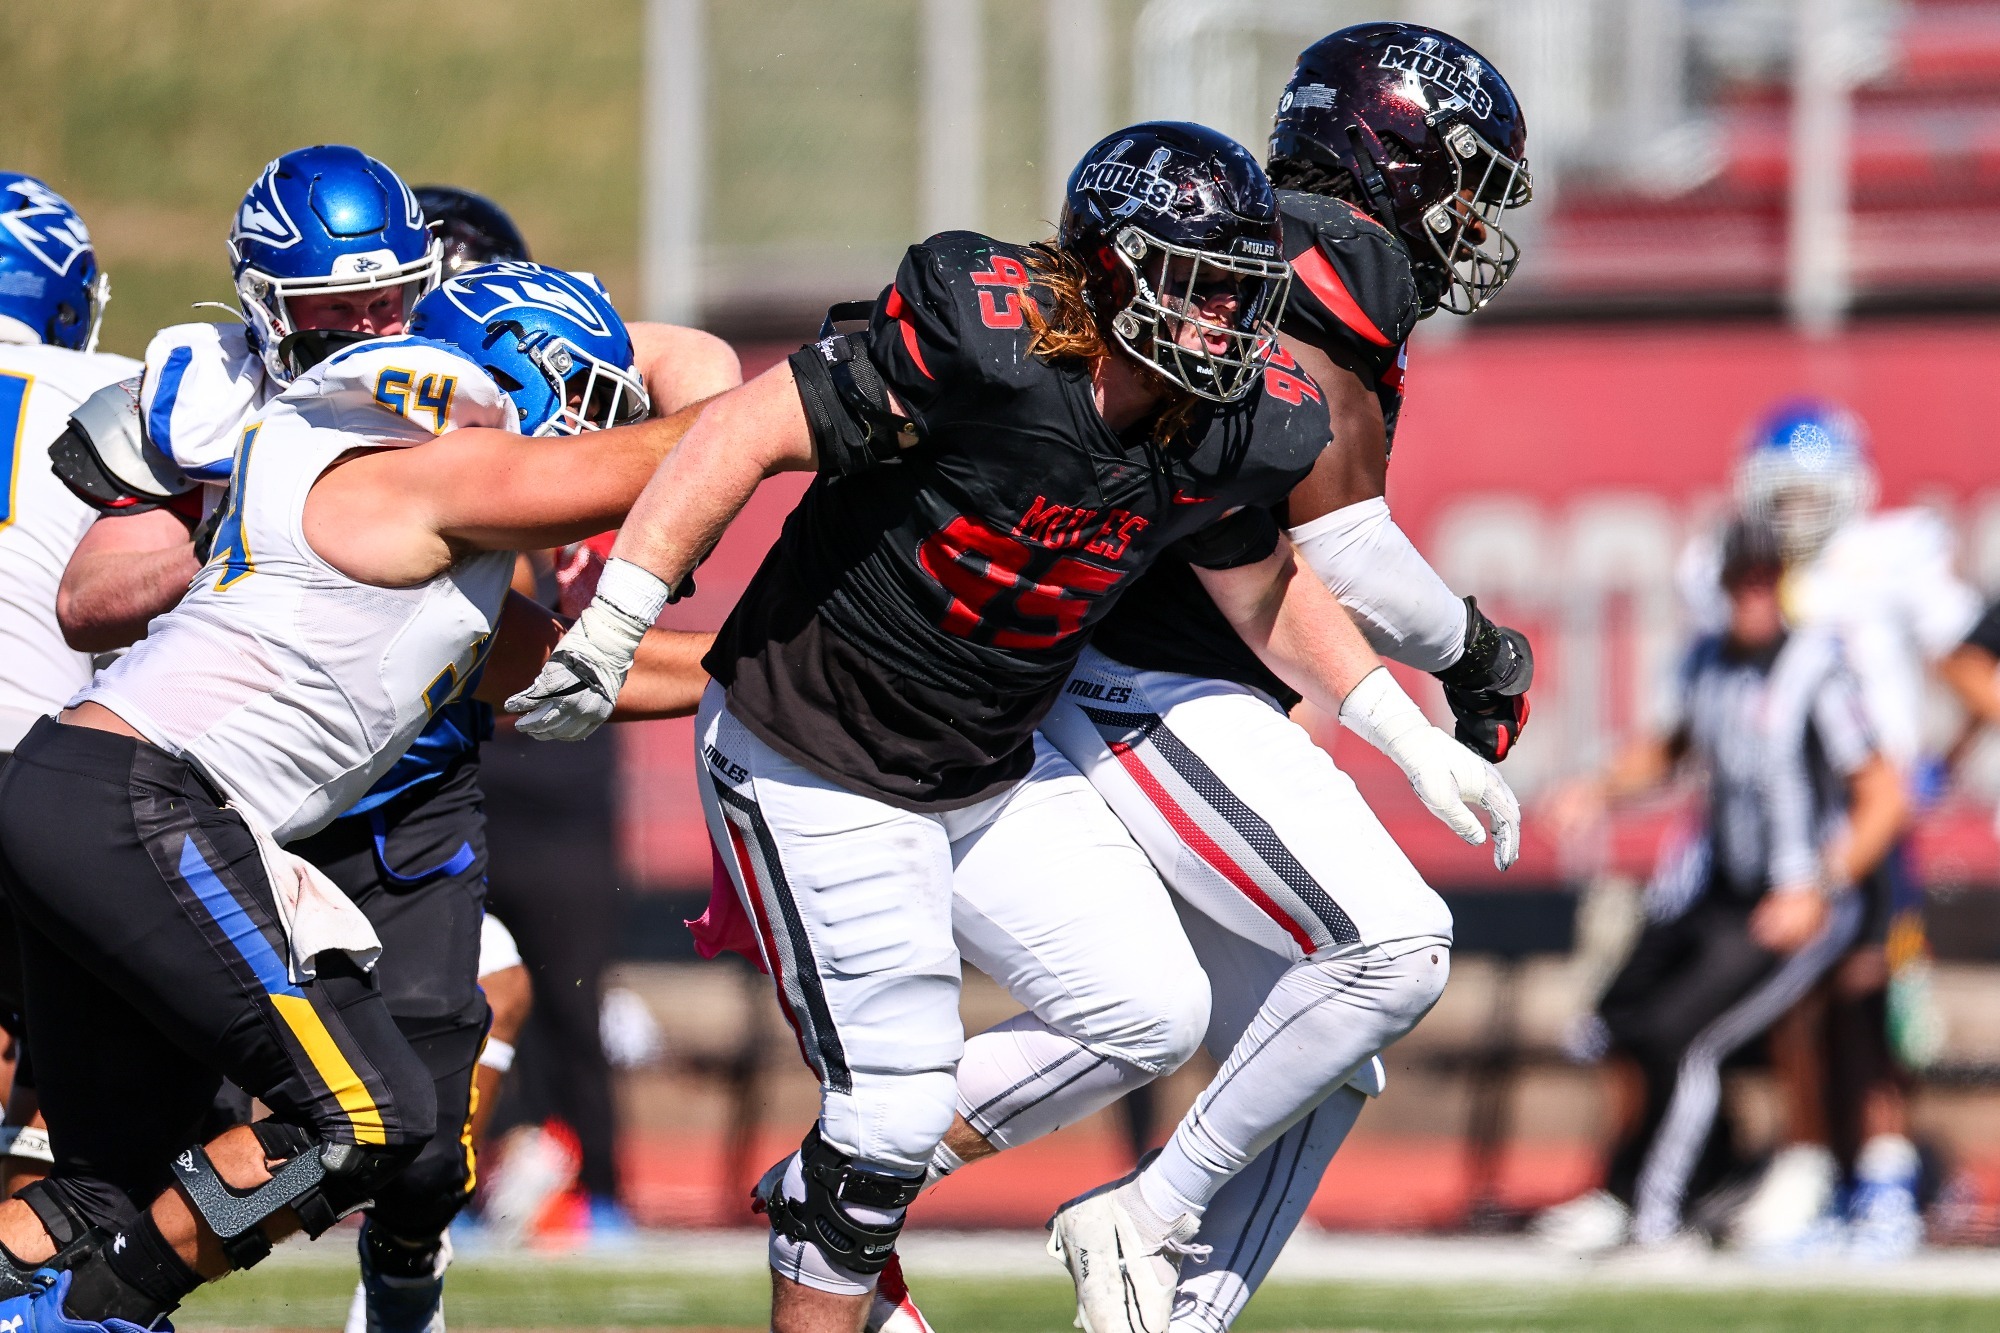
(1885,587)
(40,525)
(291,685)
(202,382)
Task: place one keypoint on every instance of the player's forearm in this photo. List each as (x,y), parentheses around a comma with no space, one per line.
(1295,627)
(1404,609)
(741,438)
(667,677)
(1972,675)
(107,600)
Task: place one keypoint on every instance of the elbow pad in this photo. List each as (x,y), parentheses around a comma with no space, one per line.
(106,460)
(1400,604)
(846,403)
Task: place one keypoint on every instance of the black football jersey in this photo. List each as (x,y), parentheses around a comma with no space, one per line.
(1354,298)
(915,619)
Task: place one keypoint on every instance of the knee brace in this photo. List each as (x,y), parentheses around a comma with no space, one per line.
(321,1182)
(822,1218)
(76,1226)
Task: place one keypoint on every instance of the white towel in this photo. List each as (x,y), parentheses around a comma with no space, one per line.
(312,911)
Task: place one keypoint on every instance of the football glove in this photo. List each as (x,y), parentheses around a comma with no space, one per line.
(1487,687)
(578,686)
(1448,778)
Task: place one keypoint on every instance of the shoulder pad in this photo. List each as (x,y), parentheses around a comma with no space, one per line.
(1351,277)
(428,385)
(104,458)
(202,381)
(976,287)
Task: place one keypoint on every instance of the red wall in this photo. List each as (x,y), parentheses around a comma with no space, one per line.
(1552,472)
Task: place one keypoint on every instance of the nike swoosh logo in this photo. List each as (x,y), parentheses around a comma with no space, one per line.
(1183,498)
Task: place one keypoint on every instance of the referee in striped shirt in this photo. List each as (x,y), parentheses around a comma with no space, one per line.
(1744,919)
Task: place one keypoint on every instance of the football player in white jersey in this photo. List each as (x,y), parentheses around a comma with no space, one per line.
(412,851)
(52,296)
(1882,582)
(355,584)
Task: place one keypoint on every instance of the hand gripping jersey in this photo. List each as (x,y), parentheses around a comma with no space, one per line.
(40,525)
(204,382)
(1353,298)
(916,618)
(291,685)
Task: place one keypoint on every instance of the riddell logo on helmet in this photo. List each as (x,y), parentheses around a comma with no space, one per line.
(1461,83)
(1140,187)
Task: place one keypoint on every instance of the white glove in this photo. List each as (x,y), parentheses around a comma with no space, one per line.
(1445,775)
(579,684)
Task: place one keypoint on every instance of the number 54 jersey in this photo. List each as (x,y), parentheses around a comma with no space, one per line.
(290,685)
(916,618)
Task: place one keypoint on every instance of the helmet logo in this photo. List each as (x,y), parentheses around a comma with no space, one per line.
(1459,82)
(372,261)
(263,218)
(1139,187)
(483,294)
(45,226)
(1307,96)
(1811,446)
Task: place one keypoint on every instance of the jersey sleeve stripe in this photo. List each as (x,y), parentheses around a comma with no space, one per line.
(1321,280)
(893,308)
(160,421)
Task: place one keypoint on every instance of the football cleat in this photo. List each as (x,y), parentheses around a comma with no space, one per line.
(892,1310)
(1125,1280)
(1588,1224)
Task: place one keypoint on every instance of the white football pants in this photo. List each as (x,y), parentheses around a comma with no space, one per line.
(1321,942)
(863,912)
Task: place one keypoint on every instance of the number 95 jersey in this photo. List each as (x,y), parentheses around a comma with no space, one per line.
(917,617)
(290,685)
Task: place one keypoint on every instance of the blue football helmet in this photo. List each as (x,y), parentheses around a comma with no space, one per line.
(51,289)
(319,221)
(1806,472)
(549,338)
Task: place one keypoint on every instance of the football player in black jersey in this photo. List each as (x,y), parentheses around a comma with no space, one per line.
(1397,150)
(1020,432)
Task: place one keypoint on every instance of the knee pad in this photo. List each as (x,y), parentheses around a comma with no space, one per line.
(319,1181)
(1156,1027)
(837,1212)
(423,1198)
(79,1216)
(893,1120)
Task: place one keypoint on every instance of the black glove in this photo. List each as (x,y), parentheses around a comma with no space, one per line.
(1487,687)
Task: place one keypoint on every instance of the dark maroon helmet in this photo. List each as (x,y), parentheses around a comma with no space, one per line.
(474,229)
(1420,130)
(1179,229)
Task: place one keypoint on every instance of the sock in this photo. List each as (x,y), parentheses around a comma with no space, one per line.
(136,1276)
(943,1162)
(1888,1159)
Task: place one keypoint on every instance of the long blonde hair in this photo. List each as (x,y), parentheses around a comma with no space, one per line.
(1069,328)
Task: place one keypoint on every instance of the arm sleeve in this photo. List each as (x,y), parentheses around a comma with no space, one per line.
(1398,600)
(1986,634)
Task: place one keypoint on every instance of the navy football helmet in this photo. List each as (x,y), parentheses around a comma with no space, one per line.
(1179,231)
(1419,130)
(550,339)
(473,229)
(51,289)
(320,221)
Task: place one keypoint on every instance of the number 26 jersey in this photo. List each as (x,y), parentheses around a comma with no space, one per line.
(915,619)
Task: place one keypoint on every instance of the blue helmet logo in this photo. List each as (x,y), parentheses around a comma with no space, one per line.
(1806,472)
(328,220)
(51,289)
(485,294)
(550,339)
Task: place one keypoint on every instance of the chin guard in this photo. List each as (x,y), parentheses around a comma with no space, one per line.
(106,460)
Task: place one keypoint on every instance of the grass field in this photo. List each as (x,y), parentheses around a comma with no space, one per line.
(552,1294)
